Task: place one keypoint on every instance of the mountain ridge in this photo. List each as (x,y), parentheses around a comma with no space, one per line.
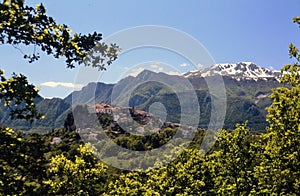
(238,71)
(247,95)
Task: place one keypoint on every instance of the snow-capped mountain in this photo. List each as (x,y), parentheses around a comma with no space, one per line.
(238,71)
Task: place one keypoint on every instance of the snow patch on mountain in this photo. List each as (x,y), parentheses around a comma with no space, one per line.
(238,71)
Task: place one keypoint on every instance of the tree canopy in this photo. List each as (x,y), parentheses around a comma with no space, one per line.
(22,25)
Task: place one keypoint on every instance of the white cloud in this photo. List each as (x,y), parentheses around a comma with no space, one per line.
(199,65)
(156,68)
(173,73)
(183,65)
(63,84)
(136,71)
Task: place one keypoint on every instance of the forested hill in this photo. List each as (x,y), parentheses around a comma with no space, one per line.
(55,111)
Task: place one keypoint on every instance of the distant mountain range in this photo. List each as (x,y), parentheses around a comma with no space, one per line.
(247,89)
(238,71)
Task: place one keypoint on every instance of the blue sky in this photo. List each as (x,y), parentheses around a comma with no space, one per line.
(231,30)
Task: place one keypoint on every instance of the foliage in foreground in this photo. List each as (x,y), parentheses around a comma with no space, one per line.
(23,25)
(241,163)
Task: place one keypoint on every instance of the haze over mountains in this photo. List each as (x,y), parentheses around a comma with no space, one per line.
(247,89)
